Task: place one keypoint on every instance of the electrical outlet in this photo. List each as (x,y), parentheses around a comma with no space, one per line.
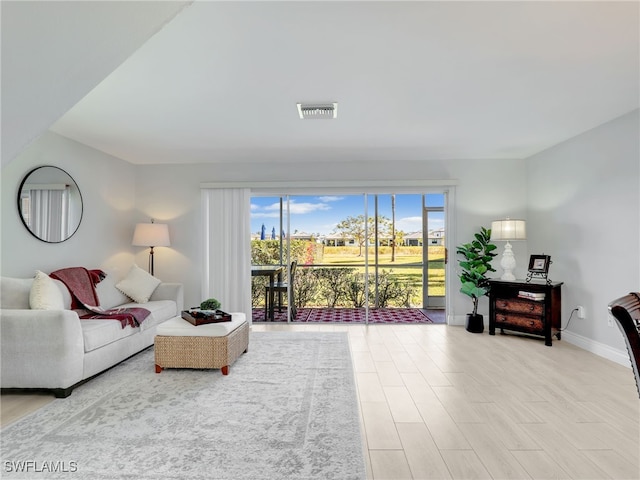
(581,313)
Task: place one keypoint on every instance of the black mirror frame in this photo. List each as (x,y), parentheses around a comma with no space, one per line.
(19,203)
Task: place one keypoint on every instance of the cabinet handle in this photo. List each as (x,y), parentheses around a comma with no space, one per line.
(531,308)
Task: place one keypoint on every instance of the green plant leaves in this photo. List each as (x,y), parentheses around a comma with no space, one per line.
(471,289)
(210,304)
(478,255)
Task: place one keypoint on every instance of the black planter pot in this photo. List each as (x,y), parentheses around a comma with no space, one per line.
(475,323)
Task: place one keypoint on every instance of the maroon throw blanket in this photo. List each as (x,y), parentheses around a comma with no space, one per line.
(133,316)
(82,286)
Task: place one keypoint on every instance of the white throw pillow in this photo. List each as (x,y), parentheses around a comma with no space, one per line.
(138,285)
(108,294)
(45,294)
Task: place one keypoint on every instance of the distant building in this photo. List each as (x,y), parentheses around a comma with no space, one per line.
(334,240)
(436,237)
(302,236)
(413,239)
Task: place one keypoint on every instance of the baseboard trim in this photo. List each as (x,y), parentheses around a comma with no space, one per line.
(458,320)
(602,350)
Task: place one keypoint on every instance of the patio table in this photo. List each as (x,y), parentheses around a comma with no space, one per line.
(271,271)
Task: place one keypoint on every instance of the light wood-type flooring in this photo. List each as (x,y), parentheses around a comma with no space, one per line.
(438,402)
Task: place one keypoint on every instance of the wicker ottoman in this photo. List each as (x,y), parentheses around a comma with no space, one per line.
(179,344)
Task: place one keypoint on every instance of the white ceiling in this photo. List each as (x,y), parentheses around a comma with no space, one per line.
(413,81)
(54,53)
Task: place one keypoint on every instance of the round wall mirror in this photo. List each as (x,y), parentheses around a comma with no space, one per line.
(50,204)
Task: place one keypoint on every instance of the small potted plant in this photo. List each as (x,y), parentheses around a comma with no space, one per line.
(210,304)
(475,265)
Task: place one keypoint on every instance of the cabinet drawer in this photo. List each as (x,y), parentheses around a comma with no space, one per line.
(520,306)
(519,321)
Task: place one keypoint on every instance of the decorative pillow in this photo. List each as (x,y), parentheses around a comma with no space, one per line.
(45,294)
(108,294)
(138,285)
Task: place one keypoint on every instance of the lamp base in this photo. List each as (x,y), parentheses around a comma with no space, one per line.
(508,264)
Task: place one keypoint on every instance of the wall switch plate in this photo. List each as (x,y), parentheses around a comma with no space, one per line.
(581,311)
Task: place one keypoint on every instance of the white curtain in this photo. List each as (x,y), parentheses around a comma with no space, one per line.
(227,248)
(49,213)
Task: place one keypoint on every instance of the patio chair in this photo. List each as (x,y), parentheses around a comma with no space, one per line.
(281,288)
(626,311)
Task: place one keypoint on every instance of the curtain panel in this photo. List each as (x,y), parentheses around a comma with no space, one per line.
(49,213)
(226,274)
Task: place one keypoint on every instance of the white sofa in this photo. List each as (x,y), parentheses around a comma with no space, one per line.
(55,349)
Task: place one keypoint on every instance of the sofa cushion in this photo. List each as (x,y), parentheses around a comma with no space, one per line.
(14,292)
(98,333)
(138,284)
(108,294)
(45,294)
(160,310)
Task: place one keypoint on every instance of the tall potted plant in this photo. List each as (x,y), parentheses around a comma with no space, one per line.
(475,265)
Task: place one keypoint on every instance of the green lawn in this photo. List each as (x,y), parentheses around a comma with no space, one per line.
(405,256)
(406,268)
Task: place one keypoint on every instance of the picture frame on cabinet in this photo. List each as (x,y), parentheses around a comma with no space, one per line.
(539,264)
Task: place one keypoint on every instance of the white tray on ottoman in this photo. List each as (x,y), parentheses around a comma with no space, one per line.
(179,344)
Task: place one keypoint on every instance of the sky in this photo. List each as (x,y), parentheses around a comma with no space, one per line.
(319,214)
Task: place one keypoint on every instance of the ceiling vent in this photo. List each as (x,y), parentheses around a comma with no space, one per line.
(317,110)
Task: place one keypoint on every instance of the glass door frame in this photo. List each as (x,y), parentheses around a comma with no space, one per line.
(426,303)
(310,188)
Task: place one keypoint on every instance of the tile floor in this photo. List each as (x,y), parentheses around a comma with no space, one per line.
(438,402)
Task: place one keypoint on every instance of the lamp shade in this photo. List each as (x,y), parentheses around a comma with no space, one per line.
(508,230)
(151,235)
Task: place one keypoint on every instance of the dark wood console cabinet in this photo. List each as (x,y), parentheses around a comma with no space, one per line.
(509,311)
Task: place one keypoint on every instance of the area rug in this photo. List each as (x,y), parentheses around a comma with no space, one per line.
(350,315)
(287,410)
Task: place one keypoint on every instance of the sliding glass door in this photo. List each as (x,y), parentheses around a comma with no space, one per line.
(356,251)
(434,251)
(270,257)
(395,258)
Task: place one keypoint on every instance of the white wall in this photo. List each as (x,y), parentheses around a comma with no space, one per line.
(103,239)
(580,200)
(117,195)
(583,199)
(172,193)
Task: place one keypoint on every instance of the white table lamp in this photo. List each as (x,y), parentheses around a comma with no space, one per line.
(506,230)
(151,235)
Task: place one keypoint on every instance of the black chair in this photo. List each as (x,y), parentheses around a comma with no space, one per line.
(281,289)
(626,311)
